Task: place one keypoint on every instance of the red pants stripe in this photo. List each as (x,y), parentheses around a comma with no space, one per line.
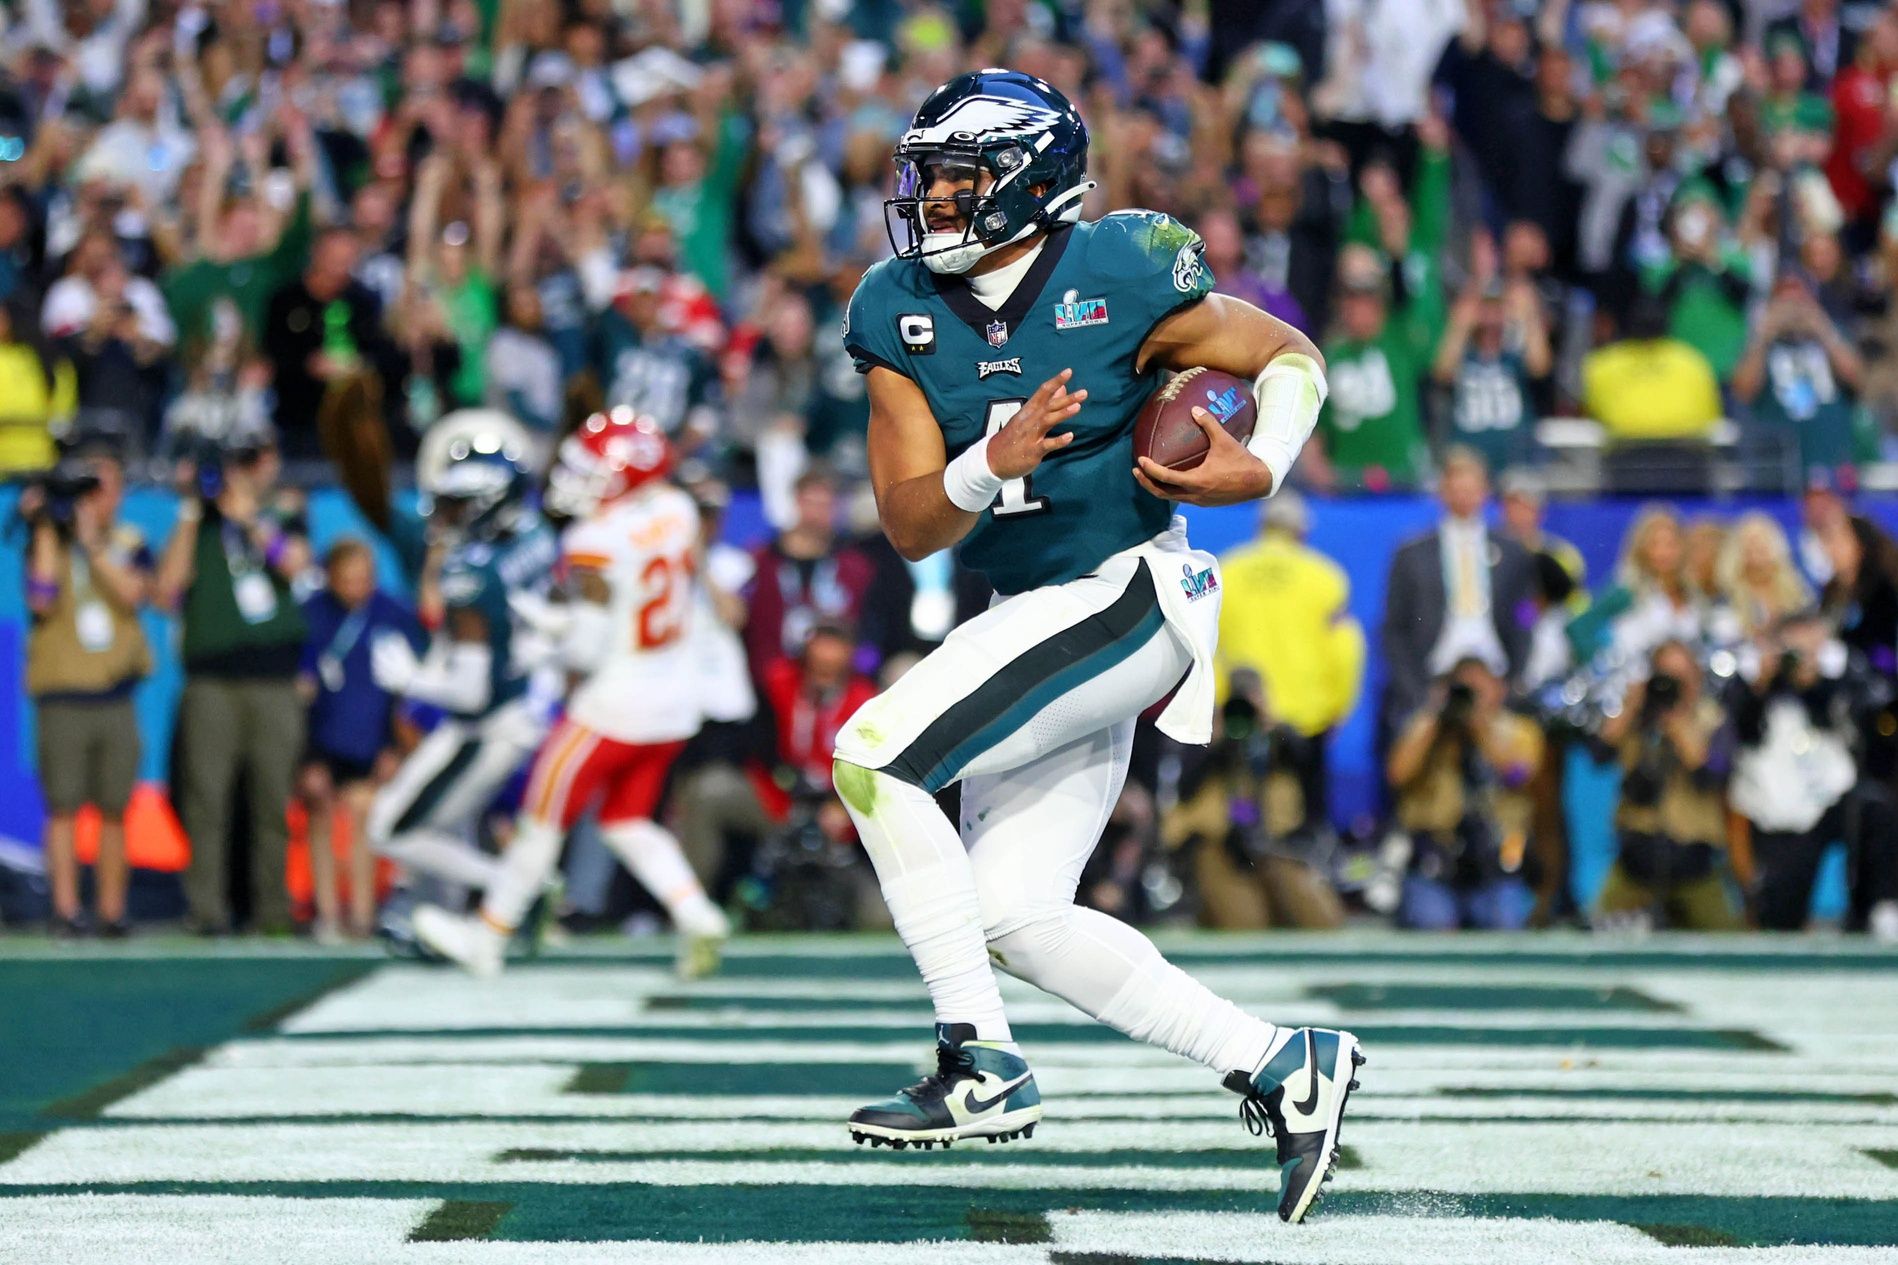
(577,768)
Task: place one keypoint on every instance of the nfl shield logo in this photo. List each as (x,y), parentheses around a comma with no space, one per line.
(998,333)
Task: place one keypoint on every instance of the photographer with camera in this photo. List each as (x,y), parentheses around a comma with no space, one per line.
(1460,771)
(1671,822)
(1258,851)
(227,570)
(86,578)
(1797,778)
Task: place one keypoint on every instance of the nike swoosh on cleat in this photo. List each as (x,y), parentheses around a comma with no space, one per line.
(974,1105)
(1311,1058)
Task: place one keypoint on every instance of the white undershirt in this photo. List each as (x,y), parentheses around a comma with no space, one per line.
(993,288)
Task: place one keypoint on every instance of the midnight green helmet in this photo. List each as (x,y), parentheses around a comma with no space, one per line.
(1019,129)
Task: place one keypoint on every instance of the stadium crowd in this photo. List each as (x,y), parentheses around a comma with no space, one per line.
(229,231)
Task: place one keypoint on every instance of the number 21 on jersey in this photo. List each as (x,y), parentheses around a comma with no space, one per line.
(1017,495)
(667,584)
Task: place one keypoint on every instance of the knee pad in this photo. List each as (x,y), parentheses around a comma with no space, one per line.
(864,740)
(1026,944)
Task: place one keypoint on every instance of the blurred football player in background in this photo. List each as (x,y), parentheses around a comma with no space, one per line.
(497,561)
(630,561)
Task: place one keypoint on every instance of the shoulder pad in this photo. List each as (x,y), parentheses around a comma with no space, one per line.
(1138,244)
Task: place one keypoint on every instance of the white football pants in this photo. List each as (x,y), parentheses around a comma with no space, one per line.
(1031,706)
(425,818)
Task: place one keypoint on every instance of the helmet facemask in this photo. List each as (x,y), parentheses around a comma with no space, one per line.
(1009,209)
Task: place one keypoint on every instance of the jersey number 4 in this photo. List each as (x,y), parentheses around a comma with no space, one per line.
(1017,495)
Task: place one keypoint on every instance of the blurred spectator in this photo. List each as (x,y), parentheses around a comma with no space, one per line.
(87,576)
(96,286)
(1256,842)
(1650,601)
(1459,772)
(1796,780)
(37,390)
(1800,377)
(1299,220)
(1671,818)
(1287,618)
(524,371)
(1371,429)
(449,296)
(142,150)
(350,727)
(1860,97)
(1491,384)
(1658,402)
(1861,598)
(785,800)
(227,570)
(1650,385)
(1226,255)
(1706,540)
(319,329)
(1824,44)
(809,698)
(791,386)
(654,369)
(1704,280)
(1759,585)
(1458,592)
(22,249)
(802,575)
(1560,571)
(244,251)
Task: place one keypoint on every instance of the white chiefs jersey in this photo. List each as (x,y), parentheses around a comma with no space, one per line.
(647,686)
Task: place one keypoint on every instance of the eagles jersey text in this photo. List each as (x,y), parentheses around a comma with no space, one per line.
(1087,302)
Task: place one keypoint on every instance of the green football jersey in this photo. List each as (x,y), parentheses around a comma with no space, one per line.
(479,575)
(1086,303)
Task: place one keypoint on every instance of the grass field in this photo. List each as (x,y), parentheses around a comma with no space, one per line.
(1546,1099)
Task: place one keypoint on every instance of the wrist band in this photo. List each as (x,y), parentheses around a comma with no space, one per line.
(42,590)
(970,483)
(1290,391)
(273,552)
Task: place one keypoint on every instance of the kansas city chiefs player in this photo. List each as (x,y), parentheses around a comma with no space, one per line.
(630,560)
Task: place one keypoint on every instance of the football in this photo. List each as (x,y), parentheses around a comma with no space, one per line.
(1165,430)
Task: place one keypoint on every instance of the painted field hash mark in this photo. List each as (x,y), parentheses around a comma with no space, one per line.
(1540,1099)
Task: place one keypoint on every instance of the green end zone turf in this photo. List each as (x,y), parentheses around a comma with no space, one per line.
(1558,1103)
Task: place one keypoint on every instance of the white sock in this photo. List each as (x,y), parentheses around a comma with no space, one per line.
(930,889)
(1114,973)
(654,857)
(522,875)
(442,855)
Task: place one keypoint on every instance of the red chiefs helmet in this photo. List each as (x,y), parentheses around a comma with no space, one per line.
(611,455)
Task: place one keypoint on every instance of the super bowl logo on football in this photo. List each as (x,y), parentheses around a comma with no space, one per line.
(1223,404)
(1073,312)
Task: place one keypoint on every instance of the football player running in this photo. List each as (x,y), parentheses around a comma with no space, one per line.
(497,557)
(1008,349)
(630,560)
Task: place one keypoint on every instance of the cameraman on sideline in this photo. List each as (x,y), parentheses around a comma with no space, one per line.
(1797,778)
(86,578)
(227,570)
(1258,848)
(1461,770)
(1671,821)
